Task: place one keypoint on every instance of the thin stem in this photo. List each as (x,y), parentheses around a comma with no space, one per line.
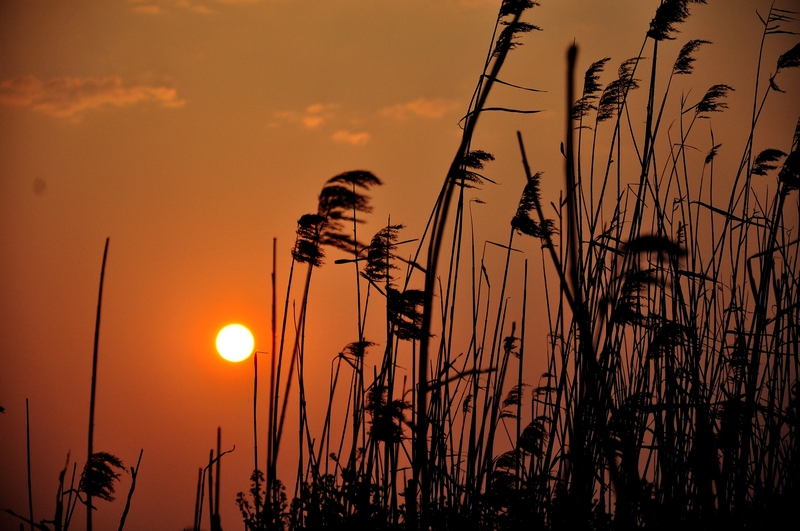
(94,384)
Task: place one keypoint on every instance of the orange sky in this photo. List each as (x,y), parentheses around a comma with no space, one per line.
(193,132)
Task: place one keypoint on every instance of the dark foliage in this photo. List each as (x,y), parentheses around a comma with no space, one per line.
(522,221)
(404,312)
(684,63)
(340,200)
(627,307)
(591,87)
(387,416)
(474,160)
(790,173)
(327,504)
(357,349)
(669,14)
(670,397)
(272,512)
(790,59)
(615,92)
(99,475)
(511,31)
(712,153)
(655,244)
(710,102)
(380,253)
(307,249)
(514,7)
(764,160)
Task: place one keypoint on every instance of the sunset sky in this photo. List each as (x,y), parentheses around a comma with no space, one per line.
(193,132)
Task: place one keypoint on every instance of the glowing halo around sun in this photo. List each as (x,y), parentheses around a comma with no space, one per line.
(235,342)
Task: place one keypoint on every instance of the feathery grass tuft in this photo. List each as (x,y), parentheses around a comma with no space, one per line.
(98,477)
(710,101)
(668,15)
(684,64)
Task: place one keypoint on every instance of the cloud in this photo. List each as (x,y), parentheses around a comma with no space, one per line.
(313,117)
(476,3)
(318,117)
(203,10)
(158,7)
(197,8)
(354,139)
(423,107)
(67,97)
(149,9)
(317,114)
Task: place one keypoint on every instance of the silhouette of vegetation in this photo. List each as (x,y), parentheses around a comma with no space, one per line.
(670,396)
(97,479)
(100,471)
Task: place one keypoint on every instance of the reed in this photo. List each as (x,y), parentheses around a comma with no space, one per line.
(670,396)
(671,384)
(101,470)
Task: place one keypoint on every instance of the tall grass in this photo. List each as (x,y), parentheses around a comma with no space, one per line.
(101,470)
(670,395)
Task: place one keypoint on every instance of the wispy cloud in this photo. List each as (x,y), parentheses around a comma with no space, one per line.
(354,139)
(312,117)
(68,97)
(158,7)
(194,6)
(322,117)
(239,1)
(149,9)
(475,3)
(423,107)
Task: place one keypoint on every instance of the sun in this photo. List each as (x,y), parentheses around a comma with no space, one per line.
(235,342)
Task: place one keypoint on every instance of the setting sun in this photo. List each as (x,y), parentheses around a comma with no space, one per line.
(235,342)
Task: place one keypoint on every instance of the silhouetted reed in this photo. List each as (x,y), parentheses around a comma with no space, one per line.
(99,473)
(670,395)
(671,386)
